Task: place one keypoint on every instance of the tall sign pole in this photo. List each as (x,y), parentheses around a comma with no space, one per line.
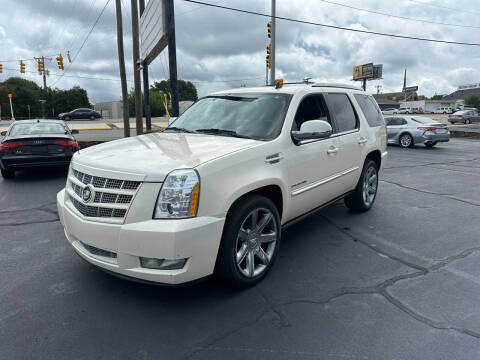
(172,54)
(136,69)
(272,68)
(11,107)
(146,86)
(123,76)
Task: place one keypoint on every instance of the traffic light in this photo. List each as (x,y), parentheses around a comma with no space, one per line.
(269,55)
(269,28)
(22,67)
(60,62)
(40,66)
(1,68)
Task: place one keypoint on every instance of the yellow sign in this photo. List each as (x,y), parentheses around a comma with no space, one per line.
(357,72)
(9,96)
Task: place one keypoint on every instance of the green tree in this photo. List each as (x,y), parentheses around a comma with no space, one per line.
(437,97)
(472,100)
(26,92)
(156,103)
(186,90)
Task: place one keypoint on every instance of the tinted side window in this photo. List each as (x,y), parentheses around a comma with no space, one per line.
(345,117)
(311,108)
(370,110)
(403,122)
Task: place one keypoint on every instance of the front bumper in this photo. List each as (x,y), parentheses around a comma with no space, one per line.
(195,239)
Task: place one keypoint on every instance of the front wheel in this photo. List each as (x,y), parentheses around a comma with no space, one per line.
(7,174)
(250,242)
(467,121)
(406,141)
(364,195)
(92,117)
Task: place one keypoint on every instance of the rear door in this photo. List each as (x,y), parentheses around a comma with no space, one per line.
(393,128)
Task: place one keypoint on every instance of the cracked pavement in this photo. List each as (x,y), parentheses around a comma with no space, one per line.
(399,282)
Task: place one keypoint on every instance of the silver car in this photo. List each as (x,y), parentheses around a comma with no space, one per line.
(410,130)
(464,116)
(391,111)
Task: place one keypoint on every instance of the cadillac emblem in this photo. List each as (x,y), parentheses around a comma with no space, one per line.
(87,193)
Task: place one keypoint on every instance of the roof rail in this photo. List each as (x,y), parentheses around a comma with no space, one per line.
(343,86)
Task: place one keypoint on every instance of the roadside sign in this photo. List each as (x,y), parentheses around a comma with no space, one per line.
(410,89)
(377,71)
(364,71)
(153,34)
(9,95)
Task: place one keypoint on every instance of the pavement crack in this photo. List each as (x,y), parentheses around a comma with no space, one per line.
(30,222)
(372,246)
(283,320)
(431,163)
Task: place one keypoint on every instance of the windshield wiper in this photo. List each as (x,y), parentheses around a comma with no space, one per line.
(180,129)
(223,132)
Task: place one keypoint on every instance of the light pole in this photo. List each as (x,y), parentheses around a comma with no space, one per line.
(272,67)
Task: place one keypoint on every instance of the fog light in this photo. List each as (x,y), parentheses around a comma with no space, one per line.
(162,264)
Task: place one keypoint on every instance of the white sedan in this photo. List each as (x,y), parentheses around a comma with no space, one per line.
(389,111)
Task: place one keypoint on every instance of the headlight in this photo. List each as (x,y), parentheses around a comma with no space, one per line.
(178,196)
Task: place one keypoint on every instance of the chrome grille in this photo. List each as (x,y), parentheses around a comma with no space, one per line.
(111,198)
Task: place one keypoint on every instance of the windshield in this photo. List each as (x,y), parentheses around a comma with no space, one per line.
(37,129)
(258,116)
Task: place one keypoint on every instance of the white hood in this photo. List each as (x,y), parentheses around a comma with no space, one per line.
(153,156)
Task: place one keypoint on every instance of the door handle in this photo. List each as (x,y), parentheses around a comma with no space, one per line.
(332,151)
(362,140)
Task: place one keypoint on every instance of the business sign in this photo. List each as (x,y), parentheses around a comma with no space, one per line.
(469,86)
(410,89)
(377,71)
(153,34)
(365,71)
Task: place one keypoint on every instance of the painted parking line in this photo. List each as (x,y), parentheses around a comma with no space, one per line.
(85,127)
(134,126)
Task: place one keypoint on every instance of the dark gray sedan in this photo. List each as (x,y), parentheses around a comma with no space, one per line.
(407,131)
(464,116)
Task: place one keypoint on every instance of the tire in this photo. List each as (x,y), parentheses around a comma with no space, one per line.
(67,118)
(467,121)
(8,174)
(430,144)
(406,141)
(230,268)
(92,117)
(365,193)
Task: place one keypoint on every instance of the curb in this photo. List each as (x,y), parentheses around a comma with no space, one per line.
(465,134)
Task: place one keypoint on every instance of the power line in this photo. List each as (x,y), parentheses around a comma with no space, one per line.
(84,41)
(398,16)
(71,76)
(445,7)
(333,26)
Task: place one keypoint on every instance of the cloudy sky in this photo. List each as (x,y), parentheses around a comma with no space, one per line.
(219,49)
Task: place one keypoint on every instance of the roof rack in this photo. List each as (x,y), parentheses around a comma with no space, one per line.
(343,86)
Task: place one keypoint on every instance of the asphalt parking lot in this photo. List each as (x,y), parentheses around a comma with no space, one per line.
(399,282)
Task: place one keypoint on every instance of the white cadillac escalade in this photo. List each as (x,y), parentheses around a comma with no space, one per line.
(211,193)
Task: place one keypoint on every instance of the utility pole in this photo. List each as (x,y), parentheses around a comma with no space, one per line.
(172,54)
(272,68)
(146,86)
(44,76)
(136,69)
(121,63)
(364,86)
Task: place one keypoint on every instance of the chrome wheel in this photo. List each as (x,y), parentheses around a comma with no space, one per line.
(370,184)
(256,242)
(406,140)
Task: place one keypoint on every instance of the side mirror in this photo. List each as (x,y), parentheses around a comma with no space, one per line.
(74,131)
(312,130)
(3,133)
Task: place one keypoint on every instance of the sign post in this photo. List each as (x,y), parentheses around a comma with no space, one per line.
(11,107)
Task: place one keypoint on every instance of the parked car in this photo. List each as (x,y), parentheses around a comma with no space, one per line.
(212,192)
(410,130)
(389,111)
(403,110)
(443,110)
(36,143)
(80,114)
(464,116)
(417,110)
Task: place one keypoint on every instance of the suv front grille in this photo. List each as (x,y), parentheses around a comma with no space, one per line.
(111,198)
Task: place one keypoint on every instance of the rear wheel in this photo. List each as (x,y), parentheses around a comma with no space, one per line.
(364,195)
(430,144)
(92,117)
(8,174)
(250,242)
(406,141)
(467,121)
